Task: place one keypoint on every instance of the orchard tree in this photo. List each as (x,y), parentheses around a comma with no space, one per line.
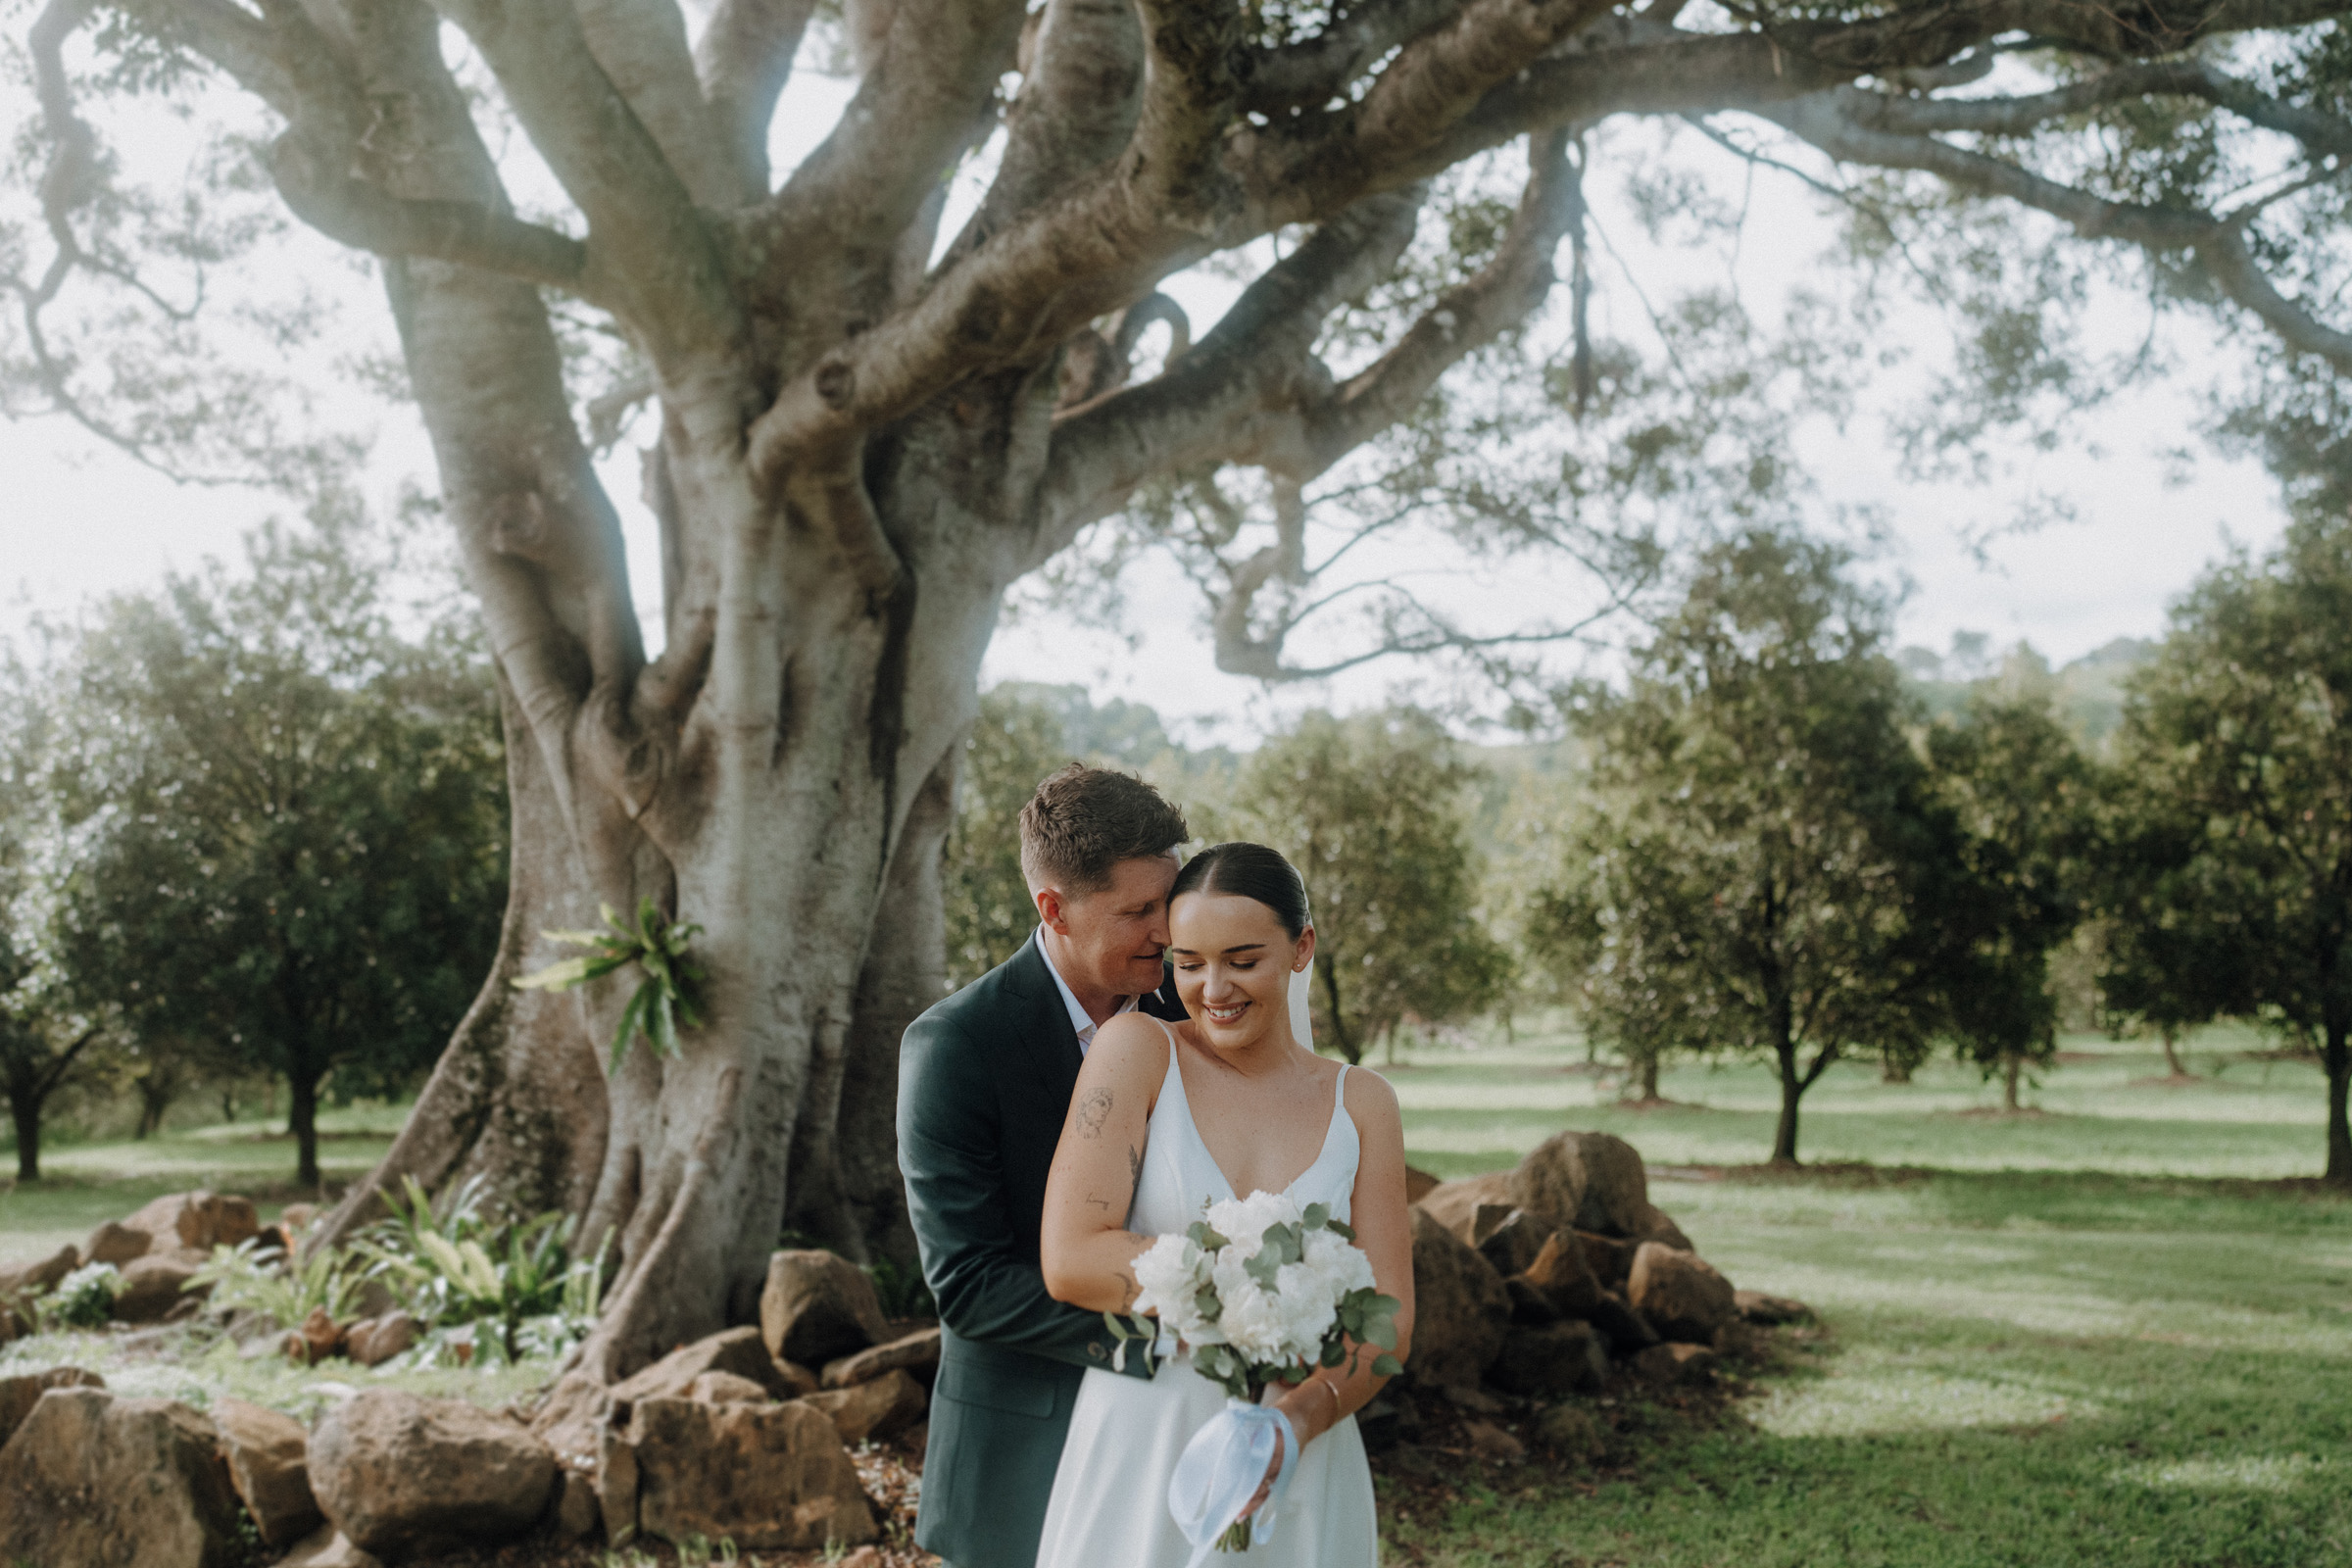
(867,430)
(1755,873)
(1014,744)
(289,821)
(2018,795)
(1373,811)
(2245,720)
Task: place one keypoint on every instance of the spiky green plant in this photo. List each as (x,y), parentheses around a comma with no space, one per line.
(663,1001)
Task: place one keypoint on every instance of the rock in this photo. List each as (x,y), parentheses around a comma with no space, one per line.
(919,1350)
(571,1417)
(1513,1242)
(1454,1204)
(375,1298)
(1550,1362)
(737,1350)
(1652,1225)
(1571,1431)
(1561,1272)
(916,1439)
(1679,1293)
(1489,1442)
(152,1285)
(576,1510)
(1770,1311)
(90,1479)
(318,1338)
(1591,1181)
(1528,1304)
(1474,1400)
(617,1481)
(725,1387)
(1610,1257)
(296,1218)
(1738,1340)
(1461,1308)
(770,1477)
(198,1221)
(114,1243)
(373,1341)
(1418,1184)
(268,1467)
(1624,1329)
(402,1476)
(26,1280)
(817,1307)
(1670,1364)
(19,1394)
(889,1403)
(327,1548)
(802,1381)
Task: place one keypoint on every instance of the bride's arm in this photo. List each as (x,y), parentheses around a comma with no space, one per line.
(1087,1251)
(1386,1234)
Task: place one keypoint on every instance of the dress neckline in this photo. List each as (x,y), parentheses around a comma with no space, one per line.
(1331,1128)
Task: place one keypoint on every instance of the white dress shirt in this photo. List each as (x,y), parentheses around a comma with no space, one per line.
(1069,999)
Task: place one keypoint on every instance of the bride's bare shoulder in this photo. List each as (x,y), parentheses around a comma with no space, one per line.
(1130,1034)
(1371,1101)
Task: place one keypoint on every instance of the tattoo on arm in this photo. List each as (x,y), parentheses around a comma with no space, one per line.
(1102,1204)
(1127,1296)
(1092,1111)
(1134,1171)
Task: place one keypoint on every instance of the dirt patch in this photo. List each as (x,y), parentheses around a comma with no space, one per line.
(2002,1113)
(1659,1103)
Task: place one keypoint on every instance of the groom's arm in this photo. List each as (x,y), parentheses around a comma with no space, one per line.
(951,1153)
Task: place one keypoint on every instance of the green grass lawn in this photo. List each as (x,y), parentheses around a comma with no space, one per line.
(85,1183)
(2027,1360)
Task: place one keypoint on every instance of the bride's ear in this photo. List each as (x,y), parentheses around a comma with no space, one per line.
(1304,951)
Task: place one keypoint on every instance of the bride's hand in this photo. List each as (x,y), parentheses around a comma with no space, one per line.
(1265,1488)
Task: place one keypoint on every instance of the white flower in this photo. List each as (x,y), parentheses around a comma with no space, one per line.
(1245,1221)
(1168,1276)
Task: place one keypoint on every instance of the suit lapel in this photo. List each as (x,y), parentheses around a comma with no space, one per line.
(1044,1023)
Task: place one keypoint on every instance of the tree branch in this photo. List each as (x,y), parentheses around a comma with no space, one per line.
(650,254)
(744,58)
(1466,318)
(357,214)
(1308,73)
(1238,391)
(642,46)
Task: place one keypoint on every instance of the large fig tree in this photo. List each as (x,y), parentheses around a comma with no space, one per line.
(869,427)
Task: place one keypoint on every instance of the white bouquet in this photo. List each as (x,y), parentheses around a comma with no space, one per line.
(1260,1291)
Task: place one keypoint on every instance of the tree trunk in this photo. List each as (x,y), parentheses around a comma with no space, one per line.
(152,1102)
(302,1120)
(1650,1075)
(1793,1090)
(2337,1060)
(25,1112)
(1348,1048)
(2012,1065)
(2172,1053)
(1893,1070)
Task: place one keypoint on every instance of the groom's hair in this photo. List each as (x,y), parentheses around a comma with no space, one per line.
(1082,821)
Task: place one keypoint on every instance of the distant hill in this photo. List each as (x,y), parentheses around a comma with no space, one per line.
(2087,694)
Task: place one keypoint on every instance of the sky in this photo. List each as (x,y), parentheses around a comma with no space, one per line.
(82,521)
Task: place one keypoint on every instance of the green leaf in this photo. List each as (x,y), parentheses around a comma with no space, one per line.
(1318,1215)
(1387,1366)
(561,975)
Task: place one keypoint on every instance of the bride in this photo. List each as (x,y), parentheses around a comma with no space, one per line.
(1167,1120)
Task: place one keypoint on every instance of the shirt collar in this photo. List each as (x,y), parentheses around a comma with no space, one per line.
(1079,1021)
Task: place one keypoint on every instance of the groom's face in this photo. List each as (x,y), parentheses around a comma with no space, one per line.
(1116,935)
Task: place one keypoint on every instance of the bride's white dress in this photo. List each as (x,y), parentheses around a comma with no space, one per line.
(1109,1507)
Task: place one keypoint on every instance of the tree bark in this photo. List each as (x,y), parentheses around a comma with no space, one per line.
(2011,1067)
(25,1112)
(302,1120)
(1348,1048)
(1793,1090)
(2172,1053)
(154,1099)
(1649,1077)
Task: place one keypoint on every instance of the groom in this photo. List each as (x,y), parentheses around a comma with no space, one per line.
(984,1085)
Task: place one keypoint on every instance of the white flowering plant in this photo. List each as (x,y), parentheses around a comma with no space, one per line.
(1263,1291)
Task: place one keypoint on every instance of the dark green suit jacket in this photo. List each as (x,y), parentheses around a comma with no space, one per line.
(984,1084)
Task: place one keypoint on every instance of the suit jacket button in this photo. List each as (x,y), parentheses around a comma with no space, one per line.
(1096,1350)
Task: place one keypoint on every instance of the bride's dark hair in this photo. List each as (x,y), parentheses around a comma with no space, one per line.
(1253,871)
